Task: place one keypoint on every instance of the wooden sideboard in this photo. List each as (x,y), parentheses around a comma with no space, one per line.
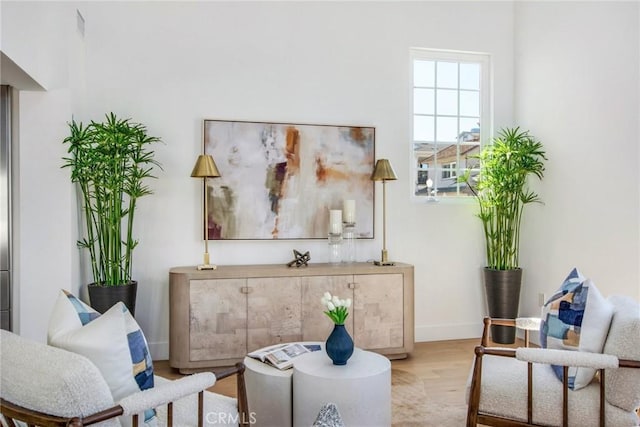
(217,316)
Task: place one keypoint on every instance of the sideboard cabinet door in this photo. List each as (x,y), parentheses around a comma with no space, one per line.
(273,311)
(378,313)
(217,319)
(316,326)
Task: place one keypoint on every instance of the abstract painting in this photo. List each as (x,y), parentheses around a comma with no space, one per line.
(279,180)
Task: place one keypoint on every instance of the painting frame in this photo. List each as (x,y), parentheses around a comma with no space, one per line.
(279,180)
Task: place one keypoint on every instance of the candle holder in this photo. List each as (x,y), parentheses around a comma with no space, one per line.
(335,248)
(349,242)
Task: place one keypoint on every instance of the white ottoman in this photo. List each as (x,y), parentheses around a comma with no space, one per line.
(361,389)
(268,394)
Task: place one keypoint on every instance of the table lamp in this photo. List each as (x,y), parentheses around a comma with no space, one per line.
(383,172)
(205,168)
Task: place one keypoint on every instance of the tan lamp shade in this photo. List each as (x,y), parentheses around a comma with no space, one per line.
(383,171)
(205,167)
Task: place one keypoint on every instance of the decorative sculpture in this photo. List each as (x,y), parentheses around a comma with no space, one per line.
(301,259)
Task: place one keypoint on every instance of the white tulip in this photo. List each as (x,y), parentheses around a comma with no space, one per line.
(330,306)
(347,303)
(327,296)
(336,301)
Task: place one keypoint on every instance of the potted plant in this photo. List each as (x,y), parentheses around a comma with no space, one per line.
(502,192)
(110,162)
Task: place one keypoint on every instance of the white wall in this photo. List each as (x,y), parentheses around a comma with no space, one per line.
(43,253)
(34,35)
(40,39)
(577,79)
(170,65)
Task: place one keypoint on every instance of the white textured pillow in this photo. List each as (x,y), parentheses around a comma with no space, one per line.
(113,342)
(69,313)
(576,317)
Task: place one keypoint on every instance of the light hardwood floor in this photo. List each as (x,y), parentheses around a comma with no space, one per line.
(443,366)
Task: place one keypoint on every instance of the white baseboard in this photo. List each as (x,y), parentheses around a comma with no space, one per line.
(460,331)
(445,332)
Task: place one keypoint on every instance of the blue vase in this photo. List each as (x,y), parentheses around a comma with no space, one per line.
(339,345)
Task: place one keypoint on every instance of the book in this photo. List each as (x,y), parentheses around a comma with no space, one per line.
(282,356)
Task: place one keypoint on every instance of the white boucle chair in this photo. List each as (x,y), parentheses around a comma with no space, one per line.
(517,387)
(46,386)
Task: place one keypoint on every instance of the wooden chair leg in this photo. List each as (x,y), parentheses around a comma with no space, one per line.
(485,331)
(243,405)
(602,397)
(530,393)
(565,396)
(170,414)
(201,409)
(474,393)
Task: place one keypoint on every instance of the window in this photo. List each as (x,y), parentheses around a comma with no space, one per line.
(451,116)
(449,170)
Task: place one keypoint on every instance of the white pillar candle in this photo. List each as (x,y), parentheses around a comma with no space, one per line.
(335,221)
(349,210)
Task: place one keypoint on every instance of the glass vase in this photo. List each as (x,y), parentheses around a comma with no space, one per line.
(349,242)
(335,248)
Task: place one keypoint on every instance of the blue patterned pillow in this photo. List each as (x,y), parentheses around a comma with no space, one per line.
(113,342)
(577,318)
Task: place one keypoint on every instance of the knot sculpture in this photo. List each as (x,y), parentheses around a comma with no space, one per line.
(301,259)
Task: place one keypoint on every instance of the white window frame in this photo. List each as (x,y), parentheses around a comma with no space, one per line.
(486,113)
(450,170)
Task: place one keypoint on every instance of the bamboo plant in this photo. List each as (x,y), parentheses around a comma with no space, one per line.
(110,162)
(502,192)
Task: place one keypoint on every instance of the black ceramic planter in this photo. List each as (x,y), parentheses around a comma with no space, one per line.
(102,298)
(503,298)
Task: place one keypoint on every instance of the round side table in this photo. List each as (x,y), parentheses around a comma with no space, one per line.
(268,393)
(528,324)
(361,389)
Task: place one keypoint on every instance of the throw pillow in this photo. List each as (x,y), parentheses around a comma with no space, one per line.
(113,342)
(69,313)
(577,318)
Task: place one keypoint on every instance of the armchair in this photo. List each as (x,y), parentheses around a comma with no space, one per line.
(46,386)
(517,387)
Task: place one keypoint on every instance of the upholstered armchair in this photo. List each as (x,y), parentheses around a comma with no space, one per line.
(518,387)
(42,385)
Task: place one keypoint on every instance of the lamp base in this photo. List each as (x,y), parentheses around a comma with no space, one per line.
(384,259)
(206,265)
